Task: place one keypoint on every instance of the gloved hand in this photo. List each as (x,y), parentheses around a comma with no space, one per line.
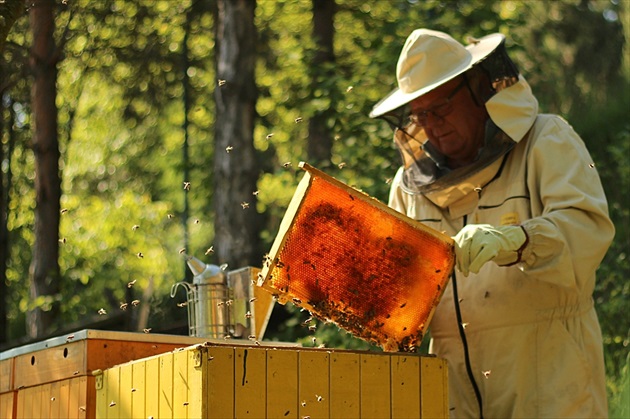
(477,244)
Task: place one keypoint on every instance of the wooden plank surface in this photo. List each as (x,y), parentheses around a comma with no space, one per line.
(7,403)
(6,375)
(220,382)
(434,388)
(282,384)
(375,385)
(250,368)
(345,385)
(166,386)
(314,384)
(138,389)
(405,386)
(152,387)
(181,385)
(49,365)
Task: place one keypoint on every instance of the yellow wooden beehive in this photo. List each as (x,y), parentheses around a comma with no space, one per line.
(249,381)
(54,378)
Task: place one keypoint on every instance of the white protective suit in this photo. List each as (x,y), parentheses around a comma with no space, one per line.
(533,336)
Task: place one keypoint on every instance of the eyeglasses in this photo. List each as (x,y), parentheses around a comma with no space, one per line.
(419,117)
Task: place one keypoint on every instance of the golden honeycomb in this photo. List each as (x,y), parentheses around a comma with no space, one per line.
(351,260)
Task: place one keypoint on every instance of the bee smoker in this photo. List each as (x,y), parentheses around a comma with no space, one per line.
(208,299)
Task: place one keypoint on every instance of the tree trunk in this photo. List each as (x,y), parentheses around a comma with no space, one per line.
(235,166)
(319,136)
(44,268)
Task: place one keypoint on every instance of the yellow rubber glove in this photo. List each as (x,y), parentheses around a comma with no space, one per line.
(477,244)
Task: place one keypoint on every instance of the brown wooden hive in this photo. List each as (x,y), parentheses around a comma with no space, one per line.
(352,260)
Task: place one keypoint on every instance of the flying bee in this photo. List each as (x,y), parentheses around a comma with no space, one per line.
(286,164)
(319,398)
(140,255)
(269,136)
(82,408)
(312,328)
(251,300)
(388,180)
(228,303)
(123,306)
(221,82)
(76,372)
(349,89)
(296,301)
(245,205)
(251,337)
(131,284)
(220,304)
(184,304)
(52,399)
(102,311)
(147,330)
(486,373)
(62,240)
(182,250)
(69,337)
(170,216)
(63,210)
(229,148)
(135,303)
(209,251)
(591,165)
(112,404)
(341,165)
(135,227)
(133,390)
(197,221)
(303,403)
(298,119)
(464,325)
(186,186)
(248,315)
(255,193)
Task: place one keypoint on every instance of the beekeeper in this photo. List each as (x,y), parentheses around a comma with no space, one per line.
(519,192)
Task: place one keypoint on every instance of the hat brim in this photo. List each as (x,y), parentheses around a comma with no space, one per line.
(478,50)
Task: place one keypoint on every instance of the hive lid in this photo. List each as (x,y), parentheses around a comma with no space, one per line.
(352,260)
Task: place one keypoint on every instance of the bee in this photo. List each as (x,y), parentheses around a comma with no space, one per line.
(314,340)
(140,255)
(388,180)
(209,251)
(307,321)
(102,311)
(133,390)
(464,325)
(312,328)
(170,216)
(82,408)
(135,302)
(251,337)
(185,403)
(251,300)
(76,372)
(184,304)
(487,294)
(486,373)
(286,164)
(319,398)
(52,399)
(298,119)
(186,186)
(591,165)
(220,303)
(349,89)
(245,205)
(182,250)
(221,82)
(268,137)
(147,330)
(403,305)
(135,227)
(229,148)
(63,210)
(123,306)
(131,284)
(228,303)
(296,301)
(70,337)
(255,193)
(341,165)
(303,403)
(197,221)
(112,403)
(62,240)
(248,315)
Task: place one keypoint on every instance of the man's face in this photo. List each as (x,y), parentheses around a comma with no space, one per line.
(453,122)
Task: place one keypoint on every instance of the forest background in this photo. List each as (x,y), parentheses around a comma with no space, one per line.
(135,131)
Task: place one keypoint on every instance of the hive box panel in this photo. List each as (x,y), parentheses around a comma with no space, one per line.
(54,378)
(221,380)
(350,259)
